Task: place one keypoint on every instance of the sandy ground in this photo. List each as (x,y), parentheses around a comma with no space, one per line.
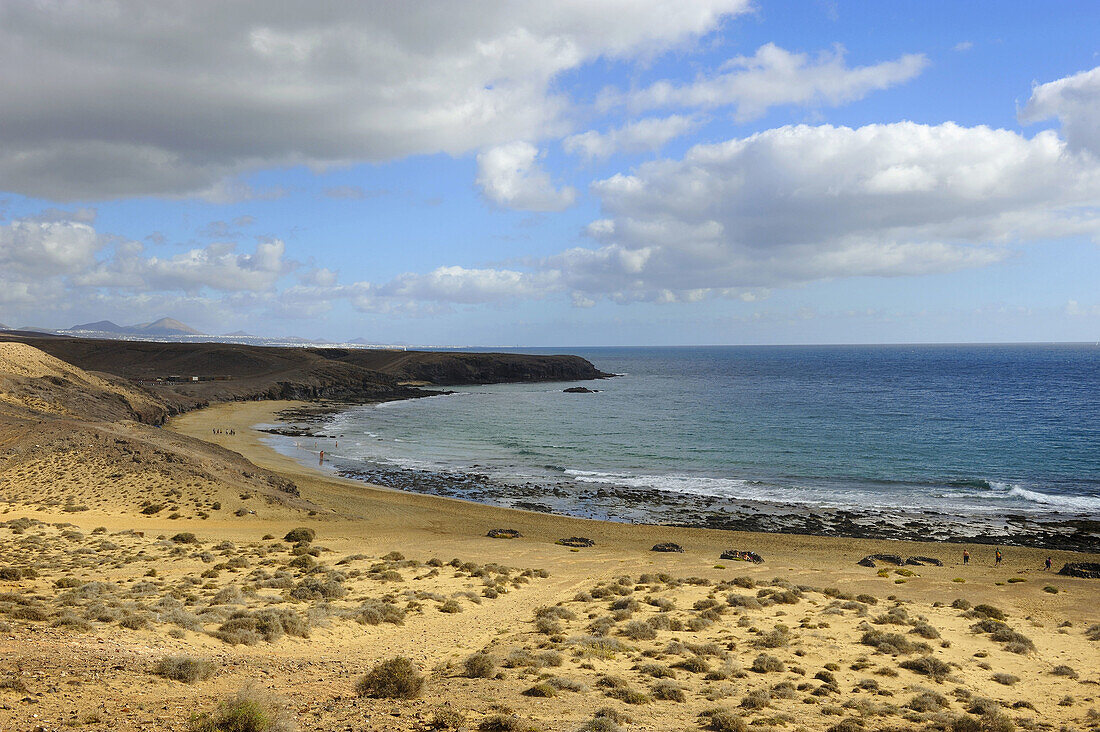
(656,638)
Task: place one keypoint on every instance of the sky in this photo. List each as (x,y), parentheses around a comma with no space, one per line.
(554,174)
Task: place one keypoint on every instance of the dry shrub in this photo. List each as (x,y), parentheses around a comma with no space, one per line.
(396,678)
(989,611)
(764,663)
(927,701)
(929,666)
(447,717)
(250,710)
(657,671)
(501,723)
(1063,670)
(300,534)
(374,612)
(637,630)
(330,587)
(187,669)
(480,666)
(271,624)
(892,643)
(924,630)
(541,689)
(667,690)
(723,720)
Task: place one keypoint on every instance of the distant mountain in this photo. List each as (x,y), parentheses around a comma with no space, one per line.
(165,326)
(4,327)
(162,327)
(101,326)
(239,334)
(37,329)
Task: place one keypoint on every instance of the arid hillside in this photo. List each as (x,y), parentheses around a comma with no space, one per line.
(76,440)
(187,375)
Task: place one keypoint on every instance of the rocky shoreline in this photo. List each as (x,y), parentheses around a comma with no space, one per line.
(650,506)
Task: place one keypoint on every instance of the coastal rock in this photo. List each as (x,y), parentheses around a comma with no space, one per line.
(579,390)
(576,541)
(503,534)
(742,556)
(1087,570)
(667,546)
(921,561)
(870,559)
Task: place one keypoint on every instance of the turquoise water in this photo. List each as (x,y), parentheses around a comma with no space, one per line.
(957,429)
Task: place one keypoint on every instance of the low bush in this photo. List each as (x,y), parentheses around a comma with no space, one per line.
(989,611)
(667,690)
(1066,671)
(249,711)
(723,720)
(396,678)
(929,666)
(480,666)
(187,669)
(300,534)
(374,612)
(892,643)
(541,689)
(764,663)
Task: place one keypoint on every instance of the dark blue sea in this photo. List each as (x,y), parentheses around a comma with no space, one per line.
(961,430)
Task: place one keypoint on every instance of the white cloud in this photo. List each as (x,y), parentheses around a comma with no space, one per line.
(122,99)
(48,247)
(217,267)
(798,204)
(962,46)
(510,176)
(459,285)
(1075,101)
(1075,309)
(645,135)
(772,77)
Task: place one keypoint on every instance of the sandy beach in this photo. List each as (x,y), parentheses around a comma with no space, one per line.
(805,640)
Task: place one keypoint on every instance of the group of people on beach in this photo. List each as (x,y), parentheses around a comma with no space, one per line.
(998,560)
(219,431)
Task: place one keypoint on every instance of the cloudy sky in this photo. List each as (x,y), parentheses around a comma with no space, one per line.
(564,173)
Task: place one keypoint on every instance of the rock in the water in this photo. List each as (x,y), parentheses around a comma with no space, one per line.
(580,390)
(870,559)
(667,546)
(1088,570)
(576,541)
(741,556)
(503,534)
(920,561)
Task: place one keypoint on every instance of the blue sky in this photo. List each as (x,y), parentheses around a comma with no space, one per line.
(532,174)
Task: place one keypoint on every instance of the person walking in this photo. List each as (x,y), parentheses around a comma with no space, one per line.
(1049,564)
(966,556)
(998,558)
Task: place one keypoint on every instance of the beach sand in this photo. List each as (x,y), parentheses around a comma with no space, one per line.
(656,637)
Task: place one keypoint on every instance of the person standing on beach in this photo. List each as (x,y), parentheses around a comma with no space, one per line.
(966,556)
(1049,564)
(998,558)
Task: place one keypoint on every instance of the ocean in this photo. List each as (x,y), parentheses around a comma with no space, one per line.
(969,433)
